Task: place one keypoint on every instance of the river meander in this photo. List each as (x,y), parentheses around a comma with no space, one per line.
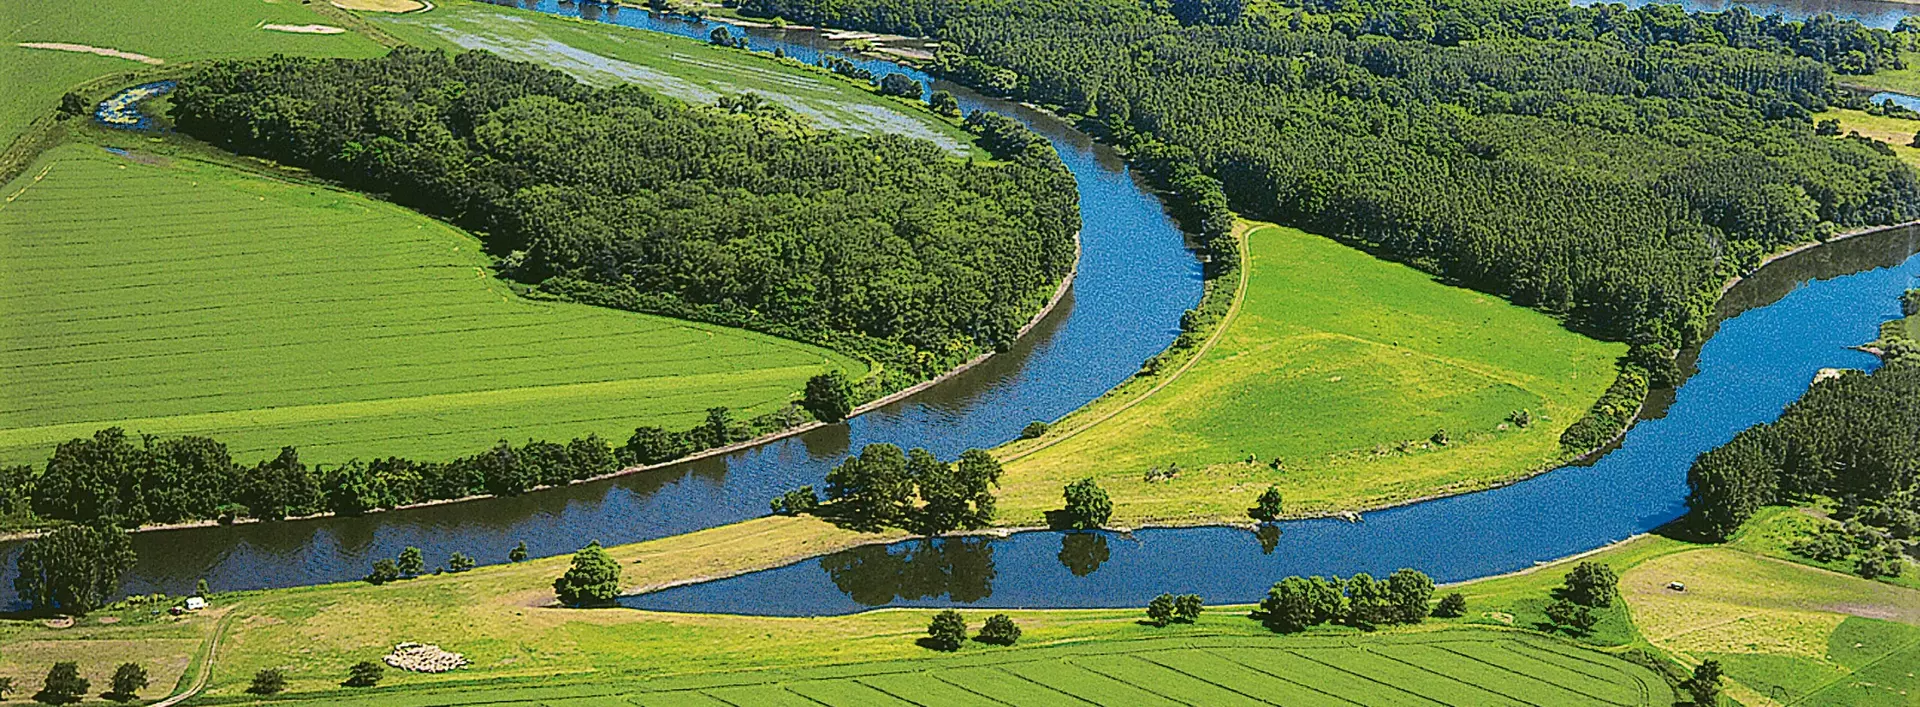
(1778,328)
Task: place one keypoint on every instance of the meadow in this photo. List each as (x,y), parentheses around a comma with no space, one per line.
(1342,367)
(171,296)
(1898,133)
(687,69)
(190,30)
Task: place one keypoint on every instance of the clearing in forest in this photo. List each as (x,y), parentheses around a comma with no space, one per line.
(1897,133)
(1343,367)
(687,69)
(172,31)
(192,298)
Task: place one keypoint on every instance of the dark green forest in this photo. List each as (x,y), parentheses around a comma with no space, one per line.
(740,213)
(1606,165)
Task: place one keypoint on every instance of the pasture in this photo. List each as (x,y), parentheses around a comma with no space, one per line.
(1898,133)
(170,296)
(1785,633)
(687,69)
(173,32)
(1342,366)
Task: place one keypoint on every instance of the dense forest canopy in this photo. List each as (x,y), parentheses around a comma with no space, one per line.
(741,212)
(1609,165)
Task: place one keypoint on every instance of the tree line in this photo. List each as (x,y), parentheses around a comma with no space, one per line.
(740,213)
(1855,438)
(885,486)
(1609,166)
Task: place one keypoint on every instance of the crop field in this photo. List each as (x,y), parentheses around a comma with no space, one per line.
(1341,366)
(690,70)
(171,31)
(1898,133)
(1784,632)
(169,296)
(1444,668)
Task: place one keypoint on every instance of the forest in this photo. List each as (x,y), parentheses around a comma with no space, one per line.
(740,213)
(1606,165)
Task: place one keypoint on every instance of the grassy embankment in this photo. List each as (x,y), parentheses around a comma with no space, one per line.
(172,296)
(1342,366)
(688,69)
(523,650)
(181,31)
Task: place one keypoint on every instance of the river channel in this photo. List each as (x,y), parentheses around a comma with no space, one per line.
(1136,277)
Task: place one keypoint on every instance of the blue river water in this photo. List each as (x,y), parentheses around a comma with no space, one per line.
(1911,102)
(1872,13)
(1135,279)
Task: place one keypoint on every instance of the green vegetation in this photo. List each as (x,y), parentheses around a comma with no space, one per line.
(298,342)
(740,213)
(1897,132)
(686,69)
(885,486)
(74,569)
(185,31)
(1327,384)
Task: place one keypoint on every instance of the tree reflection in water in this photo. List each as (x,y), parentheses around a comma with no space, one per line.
(959,568)
(1269,536)
(1082,553)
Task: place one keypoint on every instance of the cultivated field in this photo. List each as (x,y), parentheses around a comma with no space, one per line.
(1896,132)
(688,69)
(1342,366)
(172,32)
(190,298)
(1444,668)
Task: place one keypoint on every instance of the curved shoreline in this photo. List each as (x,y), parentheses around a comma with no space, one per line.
(1059,293)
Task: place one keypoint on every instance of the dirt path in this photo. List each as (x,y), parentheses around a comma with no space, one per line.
(206,667)
(84,49)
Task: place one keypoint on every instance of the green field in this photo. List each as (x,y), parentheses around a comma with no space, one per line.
(1447,668)
(691,70)
(1342,366)
(177,31)
(171,296)
(1896,132)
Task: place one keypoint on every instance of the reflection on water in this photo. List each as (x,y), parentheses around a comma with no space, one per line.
(1136,277)
(1899,99)
(958,568)
(1883,15)
(1779,327)
(1082,553)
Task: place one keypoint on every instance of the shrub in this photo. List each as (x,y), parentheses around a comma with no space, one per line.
(1160,610)
(128,680)
(383,572)
(1575,618)
(412,563)
(1035,430)
(1591,584)
(999,630)
(796,502)
(365,673)
(1704,686)
(594,578)
(1186,608)
(829,396)
(1266,508)
(63,685)
(1087,505)
(1451,606)
(518,553)
(268,682)
(459,562)
(947,630)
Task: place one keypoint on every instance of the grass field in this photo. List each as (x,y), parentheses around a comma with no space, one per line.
(1896,132)
(1905,80)
(691,70)
(178,31)
(192,298)
(1342,366)
(526,653)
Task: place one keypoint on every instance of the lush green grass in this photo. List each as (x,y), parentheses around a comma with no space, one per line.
(691,70)
(174,31)
(1896,132)
(1453,667)
(1905,80)
(192,298)
(1342,366)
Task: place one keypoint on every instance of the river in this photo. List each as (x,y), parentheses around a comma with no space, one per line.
(1136,277)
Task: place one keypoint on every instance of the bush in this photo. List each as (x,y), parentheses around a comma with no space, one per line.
(383,572)
(1186,608)
(63,685)
(412,563)
(1451,606)
(900,85)
(459,562)
(829,397)
(1087,505)
(999,630)
(594,578)
(74,105)
(1160,610)
(1591,584)
(268,682)
(1266,508)
(518,553)
(1574,618)
(1035,429)
(796,502)
(947,631)
(128,680)
(365,673)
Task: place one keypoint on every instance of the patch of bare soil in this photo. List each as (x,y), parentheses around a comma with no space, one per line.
(84,49)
